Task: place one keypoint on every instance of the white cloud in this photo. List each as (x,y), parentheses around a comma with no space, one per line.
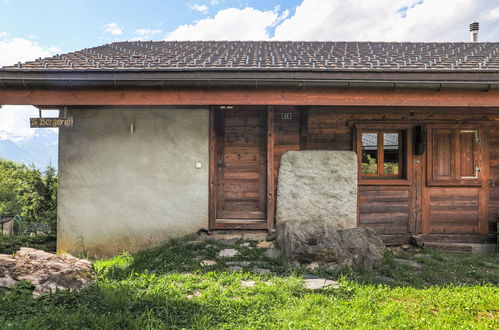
(229,24)
(146,34)
(3,34)
(113,28)
(200,8)
(380,20)
(214,2)
(493,14)
(22,50)
(14,121)
(388,20)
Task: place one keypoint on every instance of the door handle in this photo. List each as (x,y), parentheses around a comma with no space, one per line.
(477,170)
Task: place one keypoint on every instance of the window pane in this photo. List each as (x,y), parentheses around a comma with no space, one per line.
(369,153)
(391,152)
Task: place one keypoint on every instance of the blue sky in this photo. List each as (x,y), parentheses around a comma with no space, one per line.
(34,28)
(71,24)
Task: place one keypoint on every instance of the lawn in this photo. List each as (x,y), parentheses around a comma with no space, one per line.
(167,287)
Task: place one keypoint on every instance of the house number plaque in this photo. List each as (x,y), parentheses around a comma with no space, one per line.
(286,116)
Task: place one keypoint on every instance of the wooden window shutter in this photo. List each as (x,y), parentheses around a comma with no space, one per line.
(454,156)
(443,146)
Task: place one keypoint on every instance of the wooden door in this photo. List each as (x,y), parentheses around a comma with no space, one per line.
(240,168)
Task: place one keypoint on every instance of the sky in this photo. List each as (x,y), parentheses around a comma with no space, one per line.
(33,28)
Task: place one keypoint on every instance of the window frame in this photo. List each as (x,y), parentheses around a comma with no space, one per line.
(405,171)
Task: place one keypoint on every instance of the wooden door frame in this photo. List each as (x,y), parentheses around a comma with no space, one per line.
(267,224)
(482,186)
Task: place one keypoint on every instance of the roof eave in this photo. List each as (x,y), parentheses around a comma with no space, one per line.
(84,79)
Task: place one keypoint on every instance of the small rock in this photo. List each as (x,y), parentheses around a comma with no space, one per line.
(313,265)
(197,258)
(238,263)
(265,245)
(259,270)
(228,253)
(235,268)
(248,284)
(421,255)
(296,264)
(205,263)
(246,244)
(383,278)
(230,241)
(255,236)
(405,246)
(273,253)
(332,267)
(320,283)
(407,262)
(195,294)
(7,281)
(269,283)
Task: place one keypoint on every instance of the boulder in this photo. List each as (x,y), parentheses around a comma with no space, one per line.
(46,271)
(319,241)
(319,185)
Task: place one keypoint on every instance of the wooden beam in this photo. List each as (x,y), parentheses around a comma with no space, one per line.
(212,170)
(271,200)
(303,128)
(312,96)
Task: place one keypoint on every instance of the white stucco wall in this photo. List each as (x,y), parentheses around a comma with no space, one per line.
(130,191)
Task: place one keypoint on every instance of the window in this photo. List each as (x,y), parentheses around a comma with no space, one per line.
(382,153)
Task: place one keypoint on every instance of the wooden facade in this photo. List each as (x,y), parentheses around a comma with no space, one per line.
(444,190)
(423,121)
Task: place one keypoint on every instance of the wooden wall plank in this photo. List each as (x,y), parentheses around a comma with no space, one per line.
(331,129)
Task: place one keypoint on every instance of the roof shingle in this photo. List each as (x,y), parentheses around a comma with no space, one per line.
(273,55)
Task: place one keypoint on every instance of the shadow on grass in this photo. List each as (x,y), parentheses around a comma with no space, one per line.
(166,287)
(185,255)
(146,301)
(423,267)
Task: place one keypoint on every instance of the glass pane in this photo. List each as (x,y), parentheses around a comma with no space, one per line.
(369,153)
(391,152)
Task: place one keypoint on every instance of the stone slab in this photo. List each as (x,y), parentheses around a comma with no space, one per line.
(318,185)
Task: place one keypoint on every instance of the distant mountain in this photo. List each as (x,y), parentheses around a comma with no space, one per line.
(41,149)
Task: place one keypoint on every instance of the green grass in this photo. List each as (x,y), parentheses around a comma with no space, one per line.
(10,244)
(166,288)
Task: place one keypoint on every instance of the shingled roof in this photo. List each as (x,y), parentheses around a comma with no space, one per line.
(273,56)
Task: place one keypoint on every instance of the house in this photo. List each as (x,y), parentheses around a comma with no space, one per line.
(171,137)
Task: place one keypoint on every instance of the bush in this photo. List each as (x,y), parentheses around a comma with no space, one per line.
(12,244)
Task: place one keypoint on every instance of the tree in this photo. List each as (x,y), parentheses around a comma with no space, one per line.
(30,193)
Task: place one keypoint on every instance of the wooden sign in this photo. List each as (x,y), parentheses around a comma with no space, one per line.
(51,122)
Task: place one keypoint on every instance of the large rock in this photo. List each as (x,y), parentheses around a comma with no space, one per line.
(319,241)
(319,185)
(46,271)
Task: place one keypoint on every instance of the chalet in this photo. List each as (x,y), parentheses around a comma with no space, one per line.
(171,137)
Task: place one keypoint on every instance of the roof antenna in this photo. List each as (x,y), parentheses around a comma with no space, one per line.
(474,31)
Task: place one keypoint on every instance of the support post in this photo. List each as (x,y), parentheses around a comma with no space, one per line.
(271,198)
